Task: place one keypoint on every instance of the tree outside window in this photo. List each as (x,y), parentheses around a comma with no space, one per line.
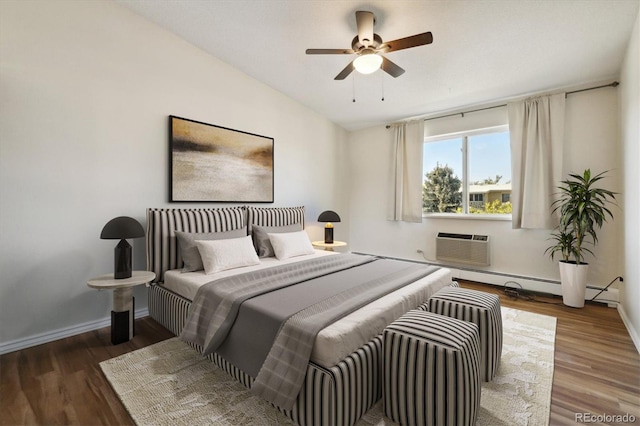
(442,190)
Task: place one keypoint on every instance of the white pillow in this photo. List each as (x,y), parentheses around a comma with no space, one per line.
(290,244)
(220,255)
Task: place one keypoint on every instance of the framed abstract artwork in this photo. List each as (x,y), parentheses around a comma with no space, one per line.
(209,163)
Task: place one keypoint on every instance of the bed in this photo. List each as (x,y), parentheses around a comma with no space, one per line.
(342,379)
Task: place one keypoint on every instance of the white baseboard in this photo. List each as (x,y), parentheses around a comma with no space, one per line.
(538,285)
(627,323)
(532,284)
(39,339)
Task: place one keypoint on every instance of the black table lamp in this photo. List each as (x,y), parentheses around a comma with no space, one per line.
(121,228)
(328,216)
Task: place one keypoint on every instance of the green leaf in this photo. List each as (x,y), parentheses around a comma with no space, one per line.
(583,210)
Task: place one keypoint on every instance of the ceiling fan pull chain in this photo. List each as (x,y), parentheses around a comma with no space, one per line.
(353,86)
(382,84)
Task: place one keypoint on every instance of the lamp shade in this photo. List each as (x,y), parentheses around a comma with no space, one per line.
(122,227)
(328,216)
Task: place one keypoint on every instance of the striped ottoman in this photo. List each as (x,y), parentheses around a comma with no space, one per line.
(425,305)
(431,370)
(480,308)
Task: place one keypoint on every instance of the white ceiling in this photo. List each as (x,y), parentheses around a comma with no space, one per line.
(483,50)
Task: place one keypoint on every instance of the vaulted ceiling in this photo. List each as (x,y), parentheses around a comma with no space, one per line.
(483,50)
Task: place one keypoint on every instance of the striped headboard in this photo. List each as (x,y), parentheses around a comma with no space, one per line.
(162,245)
(275,216)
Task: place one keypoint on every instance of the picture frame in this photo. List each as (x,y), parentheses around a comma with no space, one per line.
(209,163)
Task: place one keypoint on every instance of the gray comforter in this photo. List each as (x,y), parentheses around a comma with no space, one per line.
(286,306)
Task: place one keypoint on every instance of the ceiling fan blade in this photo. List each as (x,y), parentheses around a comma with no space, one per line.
(329,51)
(407,42)
(345,72)
(390,68)
(365,22)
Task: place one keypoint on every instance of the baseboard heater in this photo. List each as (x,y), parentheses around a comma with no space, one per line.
(535,284)
(468,249)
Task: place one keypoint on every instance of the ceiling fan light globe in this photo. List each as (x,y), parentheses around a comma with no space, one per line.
(367,64)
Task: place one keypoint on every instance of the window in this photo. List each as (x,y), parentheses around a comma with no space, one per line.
(468,173)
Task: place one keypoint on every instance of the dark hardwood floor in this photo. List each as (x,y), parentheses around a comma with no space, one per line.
(597,370)
(60,383)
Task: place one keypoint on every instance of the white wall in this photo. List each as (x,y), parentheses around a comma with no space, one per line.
(592,140)
(86,88)
(630,124)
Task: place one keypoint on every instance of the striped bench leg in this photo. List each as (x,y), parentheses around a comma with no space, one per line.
(480,308)
(431,370)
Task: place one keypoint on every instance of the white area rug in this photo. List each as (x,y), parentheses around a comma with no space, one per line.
(169,383)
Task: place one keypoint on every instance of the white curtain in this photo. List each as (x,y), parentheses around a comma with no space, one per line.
(406,179)
(537,132)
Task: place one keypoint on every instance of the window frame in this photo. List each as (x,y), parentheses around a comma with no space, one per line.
(464,135)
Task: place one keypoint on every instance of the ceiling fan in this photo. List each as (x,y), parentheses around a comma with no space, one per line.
(369,46)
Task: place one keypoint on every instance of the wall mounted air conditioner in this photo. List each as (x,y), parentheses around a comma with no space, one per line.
(463,248)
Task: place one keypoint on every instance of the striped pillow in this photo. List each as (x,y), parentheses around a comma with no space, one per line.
(162,245)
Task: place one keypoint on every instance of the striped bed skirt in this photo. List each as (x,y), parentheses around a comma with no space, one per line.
(339,395)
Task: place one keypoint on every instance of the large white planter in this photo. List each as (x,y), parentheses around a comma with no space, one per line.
(574,283)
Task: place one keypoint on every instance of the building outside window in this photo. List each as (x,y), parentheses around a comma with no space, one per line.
(468,173)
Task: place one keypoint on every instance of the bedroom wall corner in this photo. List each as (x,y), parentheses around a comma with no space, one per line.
(630,134)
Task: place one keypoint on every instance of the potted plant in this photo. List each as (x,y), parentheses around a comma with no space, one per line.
(583,209)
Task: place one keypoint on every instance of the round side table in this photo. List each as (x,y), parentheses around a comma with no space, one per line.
(328,246)
(122,321)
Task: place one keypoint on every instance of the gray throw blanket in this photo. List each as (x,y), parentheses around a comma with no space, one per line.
(282,373)
(216,304)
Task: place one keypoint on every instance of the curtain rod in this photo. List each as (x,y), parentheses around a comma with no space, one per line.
(612,84)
